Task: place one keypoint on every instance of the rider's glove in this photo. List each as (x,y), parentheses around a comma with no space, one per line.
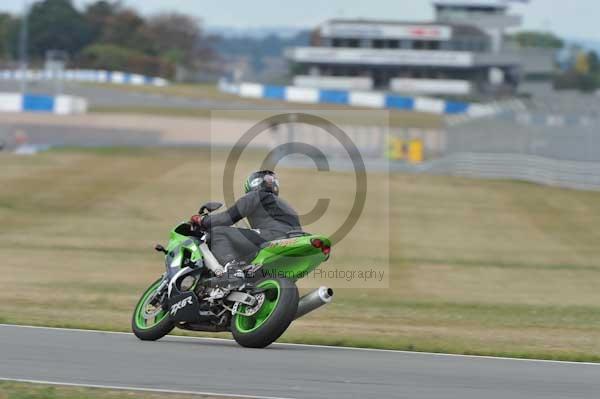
(196,220)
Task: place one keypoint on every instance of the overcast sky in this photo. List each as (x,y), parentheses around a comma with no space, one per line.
(572,19)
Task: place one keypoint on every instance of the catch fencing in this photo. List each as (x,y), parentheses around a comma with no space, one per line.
(554,172)
(545,144)
(376,144)
(538,143)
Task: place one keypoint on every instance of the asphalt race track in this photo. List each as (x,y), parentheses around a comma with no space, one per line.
(220,366)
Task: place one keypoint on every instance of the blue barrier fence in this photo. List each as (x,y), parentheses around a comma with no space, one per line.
(37,103)
(367,99)
(63,105)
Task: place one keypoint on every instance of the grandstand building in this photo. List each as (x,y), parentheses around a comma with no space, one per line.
(460,53)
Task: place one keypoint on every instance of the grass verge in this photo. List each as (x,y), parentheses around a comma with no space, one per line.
(20,390)
(397,119)
(476,267)
(210,92)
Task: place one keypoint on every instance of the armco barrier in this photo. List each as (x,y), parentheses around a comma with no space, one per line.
(535,169)
(85,75)
(369,99)
(61,105)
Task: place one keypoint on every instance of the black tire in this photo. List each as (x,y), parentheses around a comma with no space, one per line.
(155,332)
(276,323)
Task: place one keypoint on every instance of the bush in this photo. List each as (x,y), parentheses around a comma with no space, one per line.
(587,83)
(574,81)
(115,58)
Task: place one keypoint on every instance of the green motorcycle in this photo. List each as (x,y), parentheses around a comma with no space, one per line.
(193,294)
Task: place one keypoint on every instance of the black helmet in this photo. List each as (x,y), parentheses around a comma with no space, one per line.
(262,180)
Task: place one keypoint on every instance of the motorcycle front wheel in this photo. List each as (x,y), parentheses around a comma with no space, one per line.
(151,322)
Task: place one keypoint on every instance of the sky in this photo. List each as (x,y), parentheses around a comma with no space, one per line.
(574,19)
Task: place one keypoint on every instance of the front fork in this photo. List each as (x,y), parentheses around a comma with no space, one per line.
(178,266)
(157,299)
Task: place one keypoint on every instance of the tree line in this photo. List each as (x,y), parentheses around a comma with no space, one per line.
(581,70)
(108,35)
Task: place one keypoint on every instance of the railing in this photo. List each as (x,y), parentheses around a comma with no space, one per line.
(557,153)
(553,172)
(83,75)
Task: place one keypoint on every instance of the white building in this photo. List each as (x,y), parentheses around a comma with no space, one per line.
(460,53)
(491,16)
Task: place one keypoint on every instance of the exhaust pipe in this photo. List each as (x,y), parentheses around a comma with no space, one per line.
(313,300)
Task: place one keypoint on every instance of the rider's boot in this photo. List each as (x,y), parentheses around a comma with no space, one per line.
(232,278)
(234,273)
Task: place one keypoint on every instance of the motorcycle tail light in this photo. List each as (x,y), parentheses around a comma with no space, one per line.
(317,243)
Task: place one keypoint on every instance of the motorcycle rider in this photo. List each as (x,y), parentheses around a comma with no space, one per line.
(269,216)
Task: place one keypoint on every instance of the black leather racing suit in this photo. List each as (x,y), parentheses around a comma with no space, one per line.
(269,216)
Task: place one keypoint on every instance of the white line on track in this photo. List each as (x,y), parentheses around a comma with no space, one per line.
(139,389)
(349,348)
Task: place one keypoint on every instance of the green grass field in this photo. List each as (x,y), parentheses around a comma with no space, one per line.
(211,92)
(200,90)
(477,267)
(15,390)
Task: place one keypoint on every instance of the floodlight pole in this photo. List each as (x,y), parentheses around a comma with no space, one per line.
(23,39)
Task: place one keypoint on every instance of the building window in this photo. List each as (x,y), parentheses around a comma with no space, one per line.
(343,42)
(353,43)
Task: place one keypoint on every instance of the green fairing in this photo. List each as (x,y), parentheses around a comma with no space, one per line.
(178,243)
(289,257)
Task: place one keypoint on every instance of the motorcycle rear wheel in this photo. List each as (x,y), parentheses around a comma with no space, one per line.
(273,317)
